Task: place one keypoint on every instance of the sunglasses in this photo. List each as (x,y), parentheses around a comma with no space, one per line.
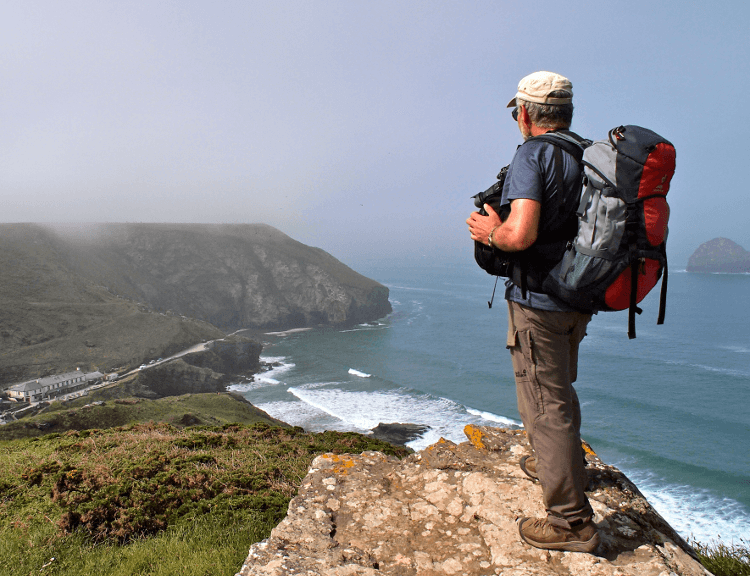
(514,113)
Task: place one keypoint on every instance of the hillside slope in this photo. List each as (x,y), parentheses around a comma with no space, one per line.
(108,296)
(233,276)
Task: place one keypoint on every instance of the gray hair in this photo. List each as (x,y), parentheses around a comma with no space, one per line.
(549,115)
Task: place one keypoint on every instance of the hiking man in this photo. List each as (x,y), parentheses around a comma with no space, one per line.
(540,196)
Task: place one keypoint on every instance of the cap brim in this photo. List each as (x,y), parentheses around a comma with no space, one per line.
(512,103)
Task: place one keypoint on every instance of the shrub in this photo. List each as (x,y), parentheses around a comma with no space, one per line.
(725,560)
(123,484)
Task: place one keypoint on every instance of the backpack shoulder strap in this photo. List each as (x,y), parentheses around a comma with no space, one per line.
(569,141)
(524,273)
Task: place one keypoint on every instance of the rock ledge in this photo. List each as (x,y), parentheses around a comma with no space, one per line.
(452,509)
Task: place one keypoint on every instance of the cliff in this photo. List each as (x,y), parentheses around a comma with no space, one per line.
(111,296)
(719,255)
(233,276)
(452,509)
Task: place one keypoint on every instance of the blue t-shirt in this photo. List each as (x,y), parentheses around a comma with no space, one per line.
(531,175)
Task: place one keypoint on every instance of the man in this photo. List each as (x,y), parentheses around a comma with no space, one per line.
(541,191)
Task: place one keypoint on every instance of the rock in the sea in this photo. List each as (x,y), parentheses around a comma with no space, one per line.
(397,433)
(719,255)
(452,509)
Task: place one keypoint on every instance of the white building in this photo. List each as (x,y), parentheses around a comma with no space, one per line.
(50,386)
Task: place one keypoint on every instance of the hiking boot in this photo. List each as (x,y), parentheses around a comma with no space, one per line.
(538,532)
(528,465)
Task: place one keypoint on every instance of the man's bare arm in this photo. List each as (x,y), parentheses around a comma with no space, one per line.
(518,232)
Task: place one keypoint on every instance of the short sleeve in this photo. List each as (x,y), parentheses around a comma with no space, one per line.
(525,176)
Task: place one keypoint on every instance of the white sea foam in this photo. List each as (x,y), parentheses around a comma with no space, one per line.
(695,513)
(490,417)
(288,332)
(246,386)
(354,372)
(366,328)
(279,364)
(300,414)
(361,411)
(737,349)
(271,377)
(727,371)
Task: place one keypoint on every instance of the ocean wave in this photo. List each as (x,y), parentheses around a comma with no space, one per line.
(366,327)
(494,418)
(698,514)
(737,349)
(361,411)
(727,371)
(278,366)
(248,386)
(287,332)
(313,385)
(354,372)
(300,414)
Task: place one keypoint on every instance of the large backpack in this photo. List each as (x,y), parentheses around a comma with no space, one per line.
(619,252)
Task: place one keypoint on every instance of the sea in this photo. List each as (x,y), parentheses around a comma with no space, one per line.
(669,408)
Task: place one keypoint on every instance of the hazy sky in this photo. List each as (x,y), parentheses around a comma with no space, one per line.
(359,127)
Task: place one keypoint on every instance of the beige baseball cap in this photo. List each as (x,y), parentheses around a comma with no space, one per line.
(536,87)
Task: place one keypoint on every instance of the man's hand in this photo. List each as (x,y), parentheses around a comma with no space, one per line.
(481,226)
(518,232)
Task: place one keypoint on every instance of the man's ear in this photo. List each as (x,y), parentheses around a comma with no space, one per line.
(523,115)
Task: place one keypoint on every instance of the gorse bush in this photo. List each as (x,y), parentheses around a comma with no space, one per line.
(127,483)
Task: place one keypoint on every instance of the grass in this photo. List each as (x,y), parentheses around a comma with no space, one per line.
(725,560)
(152,499)
(181,411)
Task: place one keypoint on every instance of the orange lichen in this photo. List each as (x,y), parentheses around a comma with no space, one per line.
(587,448)
(342,462)
(474,435)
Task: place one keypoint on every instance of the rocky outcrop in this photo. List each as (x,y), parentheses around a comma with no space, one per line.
(719,255)
(206,371)
(174,379)
(397,433)
(231,355)
(452,509)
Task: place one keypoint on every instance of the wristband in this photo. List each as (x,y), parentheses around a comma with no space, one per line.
(489,238)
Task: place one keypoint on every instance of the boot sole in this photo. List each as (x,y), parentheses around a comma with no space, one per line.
(525,470)
(587,546)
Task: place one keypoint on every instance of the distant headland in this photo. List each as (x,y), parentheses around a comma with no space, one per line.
(110,297)
(719,255)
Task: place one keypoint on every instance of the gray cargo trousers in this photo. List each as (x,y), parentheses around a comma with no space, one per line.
(544,349)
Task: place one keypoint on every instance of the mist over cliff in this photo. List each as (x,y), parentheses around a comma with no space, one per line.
(114,294)
(233,276)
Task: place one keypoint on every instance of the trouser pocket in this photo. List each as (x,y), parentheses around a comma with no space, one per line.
(530,397)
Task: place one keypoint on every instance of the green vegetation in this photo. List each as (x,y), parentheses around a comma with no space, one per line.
(56,317)
(151,498)
(181,411)
(111,296)
(723,560)
(94,330)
